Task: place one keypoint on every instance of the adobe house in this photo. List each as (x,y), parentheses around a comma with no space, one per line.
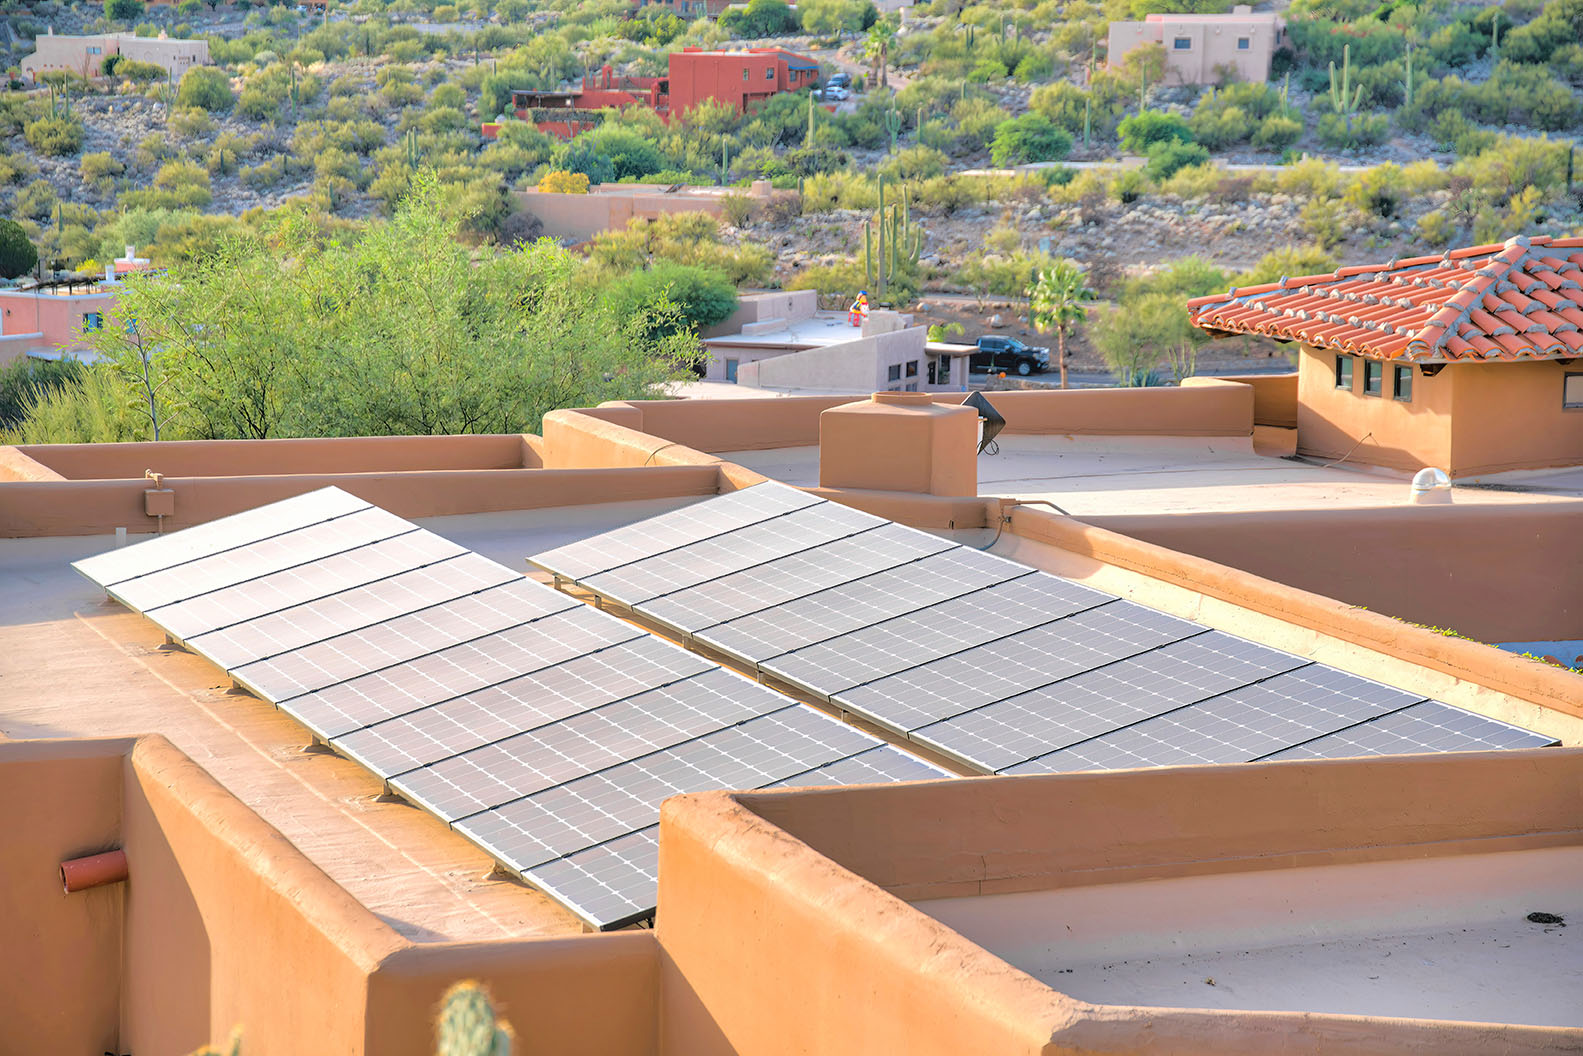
(1198,47)
(1470,361)
(85,56)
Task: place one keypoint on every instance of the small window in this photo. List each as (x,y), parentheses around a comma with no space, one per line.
(1572,392)
(1183,44)
(1402,385)
(769,74)
(894,373)
(1373,377)
(92,321)
(1344,372)
(731,369)
(744,75)
(912,368)
(1243,43)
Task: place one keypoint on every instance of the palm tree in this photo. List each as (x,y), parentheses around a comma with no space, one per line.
(1056,303)
(876,48)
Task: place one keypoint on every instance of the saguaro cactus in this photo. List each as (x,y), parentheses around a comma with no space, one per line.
(893,126)
(467,1025)
(1342,99)
(1407,81)
(412,148)
(889,242)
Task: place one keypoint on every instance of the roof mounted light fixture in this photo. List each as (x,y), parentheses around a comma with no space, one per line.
(991,420)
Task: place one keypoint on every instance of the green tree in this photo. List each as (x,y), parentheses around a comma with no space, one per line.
(1056,301)
(826,18)
(1029,137)
(761,18)
(676,298)
(18,256)
(1136,335)
(609,153)
(205,87)
(122,10)
(402,330)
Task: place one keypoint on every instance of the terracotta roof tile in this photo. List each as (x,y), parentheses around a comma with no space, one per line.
(1516,300)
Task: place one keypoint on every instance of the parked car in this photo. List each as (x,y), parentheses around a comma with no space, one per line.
(1009,354)
(836,92)
(839,80)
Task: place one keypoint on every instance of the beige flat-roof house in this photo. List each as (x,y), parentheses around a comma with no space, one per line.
(85,56)
(1198,48)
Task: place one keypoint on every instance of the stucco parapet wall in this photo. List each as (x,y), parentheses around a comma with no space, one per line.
(1539,683)
(1274,396)
(764,866)
(16,465)
(97,507)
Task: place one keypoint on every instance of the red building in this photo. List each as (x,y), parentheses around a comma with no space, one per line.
(736,77)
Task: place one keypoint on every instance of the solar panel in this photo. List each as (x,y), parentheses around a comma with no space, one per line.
(222,608)
(601,806)
(1015,664)
(695,563)
(301,546)
(859,604)
(488,698)
(785,579)
(939,630)
(213,537)
(1014,671)
(1108,697)
(557,752)
(702,520)
(452,727)
(1429,726)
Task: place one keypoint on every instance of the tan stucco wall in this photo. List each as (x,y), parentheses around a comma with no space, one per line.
(1214,44)
(61,973)
(1509,416)
(1497,573)
(1406,436)
(1469,419)
(1274,397)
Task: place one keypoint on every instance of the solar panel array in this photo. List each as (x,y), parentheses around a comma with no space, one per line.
(544,730)
(993,664)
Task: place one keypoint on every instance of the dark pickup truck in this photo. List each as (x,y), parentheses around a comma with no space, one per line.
(1008,354)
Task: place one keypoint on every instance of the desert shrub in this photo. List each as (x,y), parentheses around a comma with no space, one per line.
(1142,131)
(1277,132)
(191,122)
(1167,156)
(1364,130)
(1436,228)
(1288,262)
(1379,190)
(55,136)
(559,182)
(205,87)
(1030,137)
(1218,127)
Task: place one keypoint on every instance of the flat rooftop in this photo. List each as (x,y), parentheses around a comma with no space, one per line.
(1443,938)
(1097,476)
(824,328)
(74,664)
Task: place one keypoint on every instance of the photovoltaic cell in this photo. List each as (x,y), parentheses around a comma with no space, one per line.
(699,562)
(614,882)
(446,673)
(368,605)
(212,537)
(777,582)
(1015,664)
(1109,697)
(1429,726)
(587,742)
(561,820)
(1238,726)
(297,586)
(399,639)
(882,649)
(668,531)
(431,734)
(299,547)
(876,766)
(861,603)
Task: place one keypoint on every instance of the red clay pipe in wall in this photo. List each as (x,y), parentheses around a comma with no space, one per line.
(96,870)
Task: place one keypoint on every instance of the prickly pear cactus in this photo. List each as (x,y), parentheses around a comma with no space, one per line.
(467,1025)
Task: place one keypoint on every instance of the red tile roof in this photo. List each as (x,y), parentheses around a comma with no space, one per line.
(1519,300)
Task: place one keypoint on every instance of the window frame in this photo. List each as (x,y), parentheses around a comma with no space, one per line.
(1400,393)
(1566,382)
(1244,43)
(1373,378)
(893,372)
(912,368)
(1181,43)
(1344,371)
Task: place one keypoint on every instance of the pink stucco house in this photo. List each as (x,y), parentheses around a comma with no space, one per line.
(1199,47)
